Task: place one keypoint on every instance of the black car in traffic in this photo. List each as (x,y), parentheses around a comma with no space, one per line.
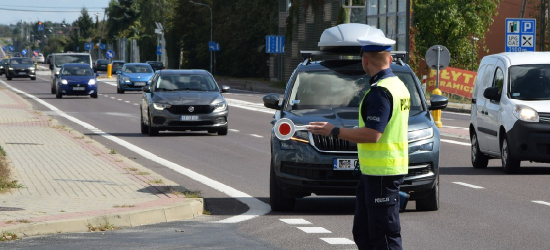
(101,65)
(156,65)
(20,67)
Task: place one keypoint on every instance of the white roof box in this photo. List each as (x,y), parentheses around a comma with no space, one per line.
(343,37)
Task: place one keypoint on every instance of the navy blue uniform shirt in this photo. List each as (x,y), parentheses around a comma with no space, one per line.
(378,104)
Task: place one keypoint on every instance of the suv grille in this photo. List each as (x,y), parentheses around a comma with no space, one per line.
(329,143)
(544,117)
(184,109)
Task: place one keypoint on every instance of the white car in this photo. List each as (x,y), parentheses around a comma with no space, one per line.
(39,59)
(510,117)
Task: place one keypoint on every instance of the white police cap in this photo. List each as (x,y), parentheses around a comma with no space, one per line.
(375,40)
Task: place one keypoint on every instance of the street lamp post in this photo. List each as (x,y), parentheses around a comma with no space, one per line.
(210,29)
(474,40)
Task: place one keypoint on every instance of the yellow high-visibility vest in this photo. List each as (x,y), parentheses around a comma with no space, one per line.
(390,155)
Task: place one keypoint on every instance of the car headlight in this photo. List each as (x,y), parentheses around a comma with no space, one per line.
(91,82)
(161,106)
(220,106)
(526,114)
(10,68)
(420,134)
(31,68)
(126,79)
(64,82)
(57,72)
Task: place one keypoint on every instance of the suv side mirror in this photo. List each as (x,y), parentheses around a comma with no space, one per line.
(146,89)
(492,93)
(438,102)
(271,101)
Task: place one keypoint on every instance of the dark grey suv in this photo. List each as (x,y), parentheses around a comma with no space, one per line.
(331,90)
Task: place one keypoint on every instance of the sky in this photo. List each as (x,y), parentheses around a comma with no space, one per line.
(13,11)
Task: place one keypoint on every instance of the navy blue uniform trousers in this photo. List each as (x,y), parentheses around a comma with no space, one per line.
(376,222)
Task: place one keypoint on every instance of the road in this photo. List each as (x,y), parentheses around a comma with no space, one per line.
(480,208)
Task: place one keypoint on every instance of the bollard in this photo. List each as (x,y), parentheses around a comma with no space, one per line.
(109,70)
(35,66)
(437,113)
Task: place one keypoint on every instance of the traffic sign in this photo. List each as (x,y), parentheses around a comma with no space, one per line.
(24,52)
(109,54)
(159,50)
(87,46)
(40,26)
(102,46)
(10,48)
(520,34)
(213,46)
(275,44)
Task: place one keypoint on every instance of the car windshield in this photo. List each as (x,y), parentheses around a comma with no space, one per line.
(327,89)
(138,69)
(76,71)
(16,61)
(530,82)
(102,61)
(186,82)
(62,59)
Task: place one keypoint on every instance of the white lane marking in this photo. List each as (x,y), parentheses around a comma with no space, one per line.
(542,202)
(315,230)
(256,206)
(295,221)
(456,127)
(249,106)
(456,142)
(255,135)
(468,185)
(338,241)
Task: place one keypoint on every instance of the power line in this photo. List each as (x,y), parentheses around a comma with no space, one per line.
(44,7)
(65,11)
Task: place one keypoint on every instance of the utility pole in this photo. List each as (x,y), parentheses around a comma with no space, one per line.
(210,30)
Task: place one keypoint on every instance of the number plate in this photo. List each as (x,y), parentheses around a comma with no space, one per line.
(79,88)
(22,73)
(139,83)
(345,164)
(189,118)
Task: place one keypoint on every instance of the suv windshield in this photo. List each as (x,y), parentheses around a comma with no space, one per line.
(337,88)
(62,59)
(530,82)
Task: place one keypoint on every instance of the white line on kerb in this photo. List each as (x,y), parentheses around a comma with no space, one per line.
(468,185)
(256,206)
(542,202)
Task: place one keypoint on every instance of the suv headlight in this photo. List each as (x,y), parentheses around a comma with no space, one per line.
(31,68)
(220,106)
(420,134)
(161,106)
(91,82)
(526,114)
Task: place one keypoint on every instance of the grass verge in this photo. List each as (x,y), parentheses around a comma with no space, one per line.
(6,181)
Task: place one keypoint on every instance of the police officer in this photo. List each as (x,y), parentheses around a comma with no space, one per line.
(382,145)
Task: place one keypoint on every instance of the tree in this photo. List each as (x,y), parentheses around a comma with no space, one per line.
(123,17)
(453,24)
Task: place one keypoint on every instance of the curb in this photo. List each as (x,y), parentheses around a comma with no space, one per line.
(190,208)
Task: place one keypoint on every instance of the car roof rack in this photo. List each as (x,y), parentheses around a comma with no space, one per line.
(308,55)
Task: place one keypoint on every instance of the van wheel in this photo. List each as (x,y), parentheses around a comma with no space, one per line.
(430,203)
(509,163)
(277,198)
(479,160)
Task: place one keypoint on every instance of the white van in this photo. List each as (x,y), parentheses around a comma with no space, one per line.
(510,117)
(58,59)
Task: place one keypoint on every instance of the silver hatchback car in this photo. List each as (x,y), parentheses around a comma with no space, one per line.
(184,100)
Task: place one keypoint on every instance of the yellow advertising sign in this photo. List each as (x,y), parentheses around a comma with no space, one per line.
(453,81)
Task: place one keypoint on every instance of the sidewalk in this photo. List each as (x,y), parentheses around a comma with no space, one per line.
(70,183)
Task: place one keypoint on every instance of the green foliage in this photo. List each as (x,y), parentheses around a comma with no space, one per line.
(123,18)
(453,24)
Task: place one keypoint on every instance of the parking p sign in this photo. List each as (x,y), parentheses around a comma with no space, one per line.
(520,34)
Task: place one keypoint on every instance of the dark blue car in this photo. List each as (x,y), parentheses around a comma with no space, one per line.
(133,77)
(76,79)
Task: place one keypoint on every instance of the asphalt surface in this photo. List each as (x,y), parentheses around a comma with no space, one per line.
(71,183)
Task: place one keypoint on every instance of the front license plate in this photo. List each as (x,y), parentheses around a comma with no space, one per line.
(79,88)
(22,73)
(139,83)
(345,164)
(189,118)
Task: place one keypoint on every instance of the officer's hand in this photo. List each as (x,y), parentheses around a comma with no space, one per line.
(320,128)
